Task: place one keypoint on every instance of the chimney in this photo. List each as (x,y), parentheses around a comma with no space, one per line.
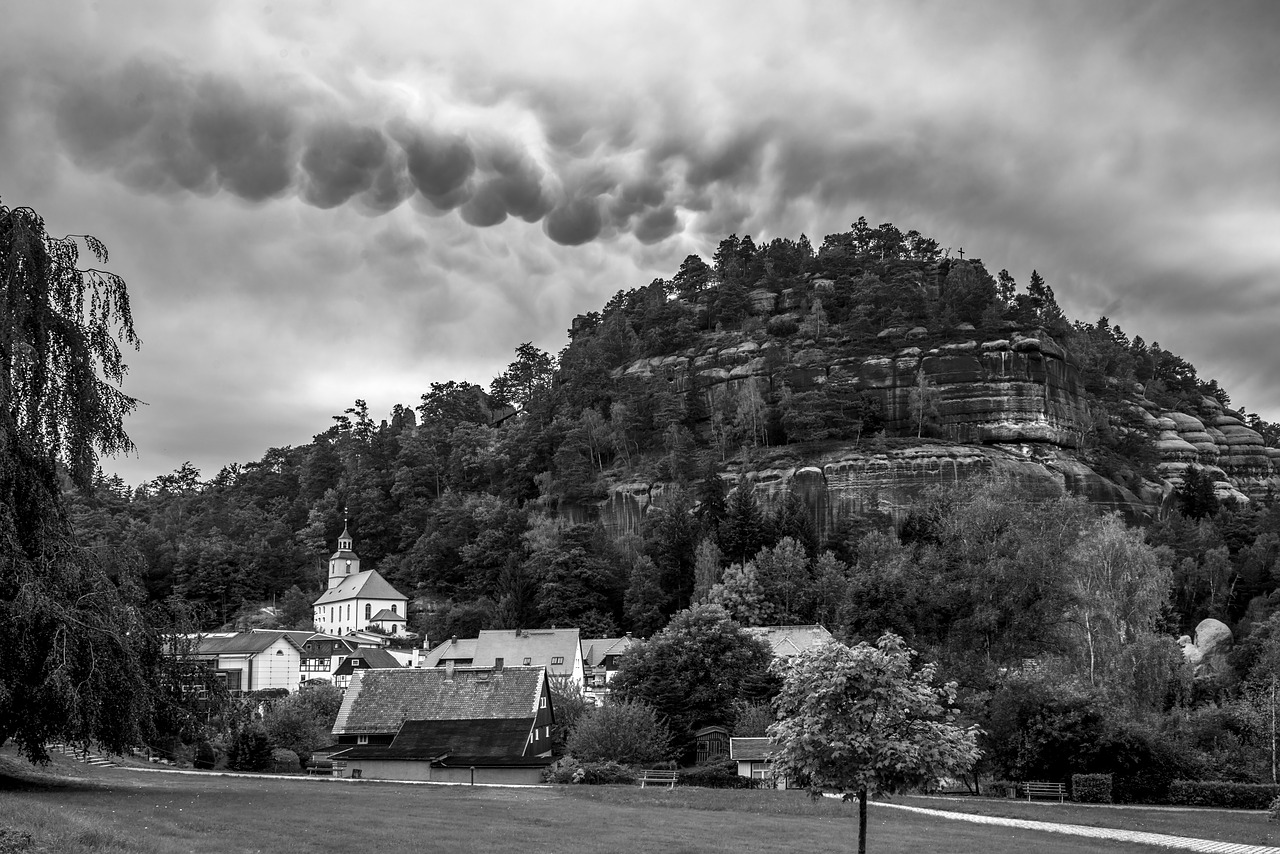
(628,634)
(518,631)
(453,639)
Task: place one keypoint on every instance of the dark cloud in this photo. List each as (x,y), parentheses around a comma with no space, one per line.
(575,222)
(657,225)
(340,161)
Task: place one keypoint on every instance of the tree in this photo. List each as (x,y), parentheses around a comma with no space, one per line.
(694,670)
(626,732)
(78,658)
(303,721)
(923,399)
(863,719)
(524,378)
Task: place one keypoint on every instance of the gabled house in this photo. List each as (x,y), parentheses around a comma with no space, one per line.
(253,661)
(600,657)
(446,724)
(786,641)
(354,596)
(363,659)
(755,760)
(558,650)
(322,654)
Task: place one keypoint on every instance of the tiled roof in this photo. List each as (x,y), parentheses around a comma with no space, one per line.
(379,701)
(387,614)
(786,641)
(450,650)
(748,749)
(366,585)
(434,740)
(240,643)
(366,659)
(537,645)
(595,649)
(330,645)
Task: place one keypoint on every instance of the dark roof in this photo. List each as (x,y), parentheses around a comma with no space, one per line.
(379,701)
(330,645)
(366,659)
(433,740)
(387,614)
(748,749)
(242,643)
(595,649)
(365,585)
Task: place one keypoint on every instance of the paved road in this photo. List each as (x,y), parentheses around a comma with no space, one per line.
(1163,840)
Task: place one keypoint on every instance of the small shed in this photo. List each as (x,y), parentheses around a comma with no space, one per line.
(713,744)
(755,760)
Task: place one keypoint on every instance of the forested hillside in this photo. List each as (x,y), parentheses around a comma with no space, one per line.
(500,506)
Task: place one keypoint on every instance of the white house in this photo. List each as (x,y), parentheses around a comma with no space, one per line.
(357,599)
(558,650)
(253,661)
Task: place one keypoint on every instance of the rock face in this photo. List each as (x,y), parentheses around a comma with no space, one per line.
(1208,653)
(1012,406)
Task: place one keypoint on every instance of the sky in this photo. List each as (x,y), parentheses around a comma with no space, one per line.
(320,201)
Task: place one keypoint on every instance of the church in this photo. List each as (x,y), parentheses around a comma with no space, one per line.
(356,599)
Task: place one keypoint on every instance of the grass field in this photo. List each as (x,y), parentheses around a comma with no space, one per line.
(72,809)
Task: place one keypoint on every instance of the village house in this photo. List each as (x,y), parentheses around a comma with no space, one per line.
(786,641)
(363,659)
(755,760)
(600,657)
(558,650)
(356,599)
(445,724)
(253,661)
(322,655)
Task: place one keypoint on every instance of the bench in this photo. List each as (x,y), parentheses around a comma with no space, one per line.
(659,777)
(1045,790)
(320,769)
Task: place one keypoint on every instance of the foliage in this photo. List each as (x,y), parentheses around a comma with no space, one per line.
(571,770)
(250,749)
(569,704)
(1091,788)
(78,656)
(693,671)
(1238,796)
(303,721)
(625,732)
(285,761)
(863,720)
(716,775)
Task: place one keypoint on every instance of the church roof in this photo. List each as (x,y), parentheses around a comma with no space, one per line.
(364,585)
(387,614)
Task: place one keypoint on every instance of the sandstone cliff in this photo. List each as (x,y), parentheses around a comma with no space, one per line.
(1010,405)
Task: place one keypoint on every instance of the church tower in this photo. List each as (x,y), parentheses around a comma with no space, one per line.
(344,563)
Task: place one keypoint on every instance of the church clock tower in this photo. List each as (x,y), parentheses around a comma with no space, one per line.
(344,563)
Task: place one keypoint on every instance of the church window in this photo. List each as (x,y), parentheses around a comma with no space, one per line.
(393,609)
(368,610)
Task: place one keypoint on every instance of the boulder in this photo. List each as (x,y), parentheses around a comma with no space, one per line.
(1207,654)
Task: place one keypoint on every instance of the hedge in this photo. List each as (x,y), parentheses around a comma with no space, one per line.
(1091,788)
(716,775)
(1240,796)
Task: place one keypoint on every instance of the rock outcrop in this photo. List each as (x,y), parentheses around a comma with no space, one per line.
(1012,406)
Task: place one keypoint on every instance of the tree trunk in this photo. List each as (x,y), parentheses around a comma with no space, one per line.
(862,821)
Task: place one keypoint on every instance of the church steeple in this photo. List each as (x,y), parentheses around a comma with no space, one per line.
(344,563)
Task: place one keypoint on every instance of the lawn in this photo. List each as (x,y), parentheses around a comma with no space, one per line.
(71,809)
(1251,828)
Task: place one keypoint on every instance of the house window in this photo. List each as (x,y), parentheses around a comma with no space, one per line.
(362,739)
(542,704)
(528,661)
(557,659)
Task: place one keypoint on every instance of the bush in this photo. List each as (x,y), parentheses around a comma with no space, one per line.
(1091,788)
(627,732)
(1239,796)
(13,841)
(1001,788)
(571,770)
(716,775)
(205,756)
(250,750)
(1273,811)
(285,761)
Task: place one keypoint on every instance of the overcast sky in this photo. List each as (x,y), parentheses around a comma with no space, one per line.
(320,201)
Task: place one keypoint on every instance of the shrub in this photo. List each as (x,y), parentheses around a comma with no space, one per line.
(1273,811)
(782,326)
(250,750)
(627,732)
(205,756)
(1240,796)
(716,775)
(285,761)
(13,840)
(571,770)
(1001,788)
(1091,788)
